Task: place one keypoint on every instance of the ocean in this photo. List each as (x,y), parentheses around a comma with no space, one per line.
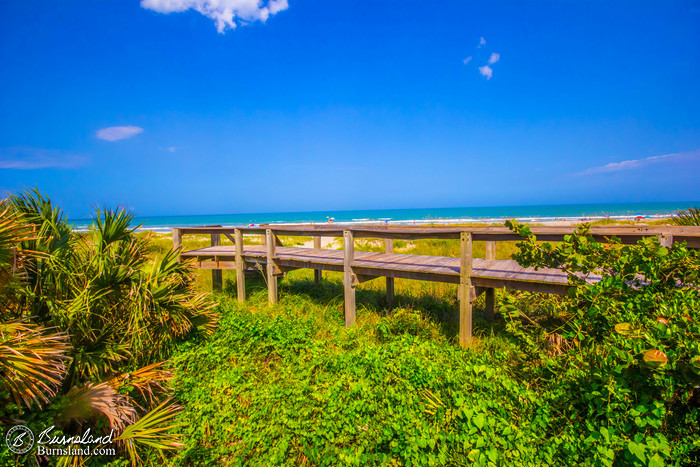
(492,214)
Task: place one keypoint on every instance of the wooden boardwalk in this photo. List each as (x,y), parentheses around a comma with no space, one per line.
(473,275)
(485,273)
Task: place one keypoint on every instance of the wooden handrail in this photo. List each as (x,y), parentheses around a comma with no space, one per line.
(626,234)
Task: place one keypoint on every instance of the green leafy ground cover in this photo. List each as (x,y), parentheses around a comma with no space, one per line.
(290,385)
(603,377)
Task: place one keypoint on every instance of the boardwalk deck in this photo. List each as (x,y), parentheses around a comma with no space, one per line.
(472,274)
(485,273)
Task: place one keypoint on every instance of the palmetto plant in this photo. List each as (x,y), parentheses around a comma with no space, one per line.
(32,362)
(690,216)
(80,309)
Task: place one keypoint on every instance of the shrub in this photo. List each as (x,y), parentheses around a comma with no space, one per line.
(624,356)
(83,313)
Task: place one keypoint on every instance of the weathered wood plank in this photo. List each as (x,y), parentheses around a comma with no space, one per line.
(177,243)
(240,266)
(389,249)
(216,274)
(465,303)
(318,274)
(270,245)
(627,234)
(665,239)
(381,261)
(490,293)
(348,286)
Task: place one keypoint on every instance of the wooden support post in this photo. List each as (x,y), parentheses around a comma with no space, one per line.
(271,277)
(389,249)
(490,251)
(665,240)
(465,286)
(240,266)
(318,274)
(490,293)
(177,243)
(216,274)
(348,259)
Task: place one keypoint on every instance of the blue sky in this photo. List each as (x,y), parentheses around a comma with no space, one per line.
(162,107)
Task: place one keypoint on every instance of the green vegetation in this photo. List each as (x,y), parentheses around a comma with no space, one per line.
(106,330)
(86,321)
(623,352)
(289,385)
(603,377)
(690,216)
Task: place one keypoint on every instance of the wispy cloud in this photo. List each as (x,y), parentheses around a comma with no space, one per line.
(169,149)
(225,13)
(486,71)
(115,133)
(639,163)
(37,158)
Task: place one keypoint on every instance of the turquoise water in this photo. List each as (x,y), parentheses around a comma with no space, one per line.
(420,216)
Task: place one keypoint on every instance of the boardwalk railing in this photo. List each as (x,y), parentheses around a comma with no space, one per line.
(473,276)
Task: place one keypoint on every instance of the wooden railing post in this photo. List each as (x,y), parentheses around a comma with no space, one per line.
(240,265)
(349,287)
(177,243)
(216,274)
(665,239)
(318,274)
(389,249)
(490,294)
(270,244)
(465,287)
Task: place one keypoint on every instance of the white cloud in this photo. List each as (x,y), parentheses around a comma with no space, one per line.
(638,163)
(169,149)
(482,41)
(275,6)
(494,58)
(225,13)
(486,71)
(115,133)
(37,158)
(467,60)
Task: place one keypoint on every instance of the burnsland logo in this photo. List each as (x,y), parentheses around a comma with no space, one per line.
(20,440)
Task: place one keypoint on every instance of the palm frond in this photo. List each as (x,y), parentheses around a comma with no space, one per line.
(15,261)
(13,231)
(32,361)
(49,224)
(147,380)
(90,401)
(155,430)
(690,216)
(112,226)
(168,308)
